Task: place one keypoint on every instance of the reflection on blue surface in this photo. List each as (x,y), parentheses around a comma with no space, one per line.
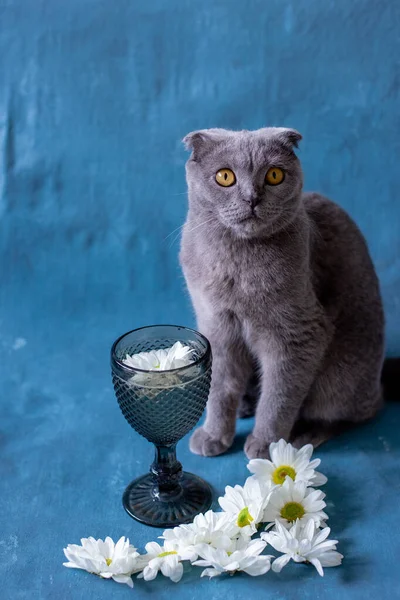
(94,98)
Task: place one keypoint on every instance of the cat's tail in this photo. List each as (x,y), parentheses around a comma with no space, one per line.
(391,379)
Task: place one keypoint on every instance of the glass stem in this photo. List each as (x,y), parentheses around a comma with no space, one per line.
(167,472)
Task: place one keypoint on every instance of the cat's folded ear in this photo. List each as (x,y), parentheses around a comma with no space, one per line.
(288,137)
(202,141)
(194,140)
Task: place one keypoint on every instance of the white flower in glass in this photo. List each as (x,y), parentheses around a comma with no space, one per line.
(245,556)
(215,529)
(303,544)
(245,505)
(285,462)
(161,360)
(292,501)
(104,558)
(162,558)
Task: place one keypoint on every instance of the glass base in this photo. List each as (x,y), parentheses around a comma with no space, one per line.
(144,502)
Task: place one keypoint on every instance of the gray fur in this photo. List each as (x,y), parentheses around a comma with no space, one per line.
(287,295)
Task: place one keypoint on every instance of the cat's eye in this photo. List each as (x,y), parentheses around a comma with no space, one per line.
(225,177)
(274,176)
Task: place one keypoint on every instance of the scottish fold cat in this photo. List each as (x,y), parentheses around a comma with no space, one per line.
(285,290)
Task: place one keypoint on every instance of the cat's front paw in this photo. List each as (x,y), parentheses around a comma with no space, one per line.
(256,448)
(202,443)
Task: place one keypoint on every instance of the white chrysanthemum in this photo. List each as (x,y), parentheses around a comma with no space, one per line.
(215,529)
(161,360)
(104,558)
(285,462)
(303,544)
(245,556)
(292,501)
(245,505)
(162,558)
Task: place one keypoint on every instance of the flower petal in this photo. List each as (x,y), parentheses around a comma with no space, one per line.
(153,548)
(211,572)
(317,565)
(280,562)
(309,529)
(255,547)
(123,579)
(148,573)
(306,451)
(260,566)
(331,559)
(319,479)
(321,535)
(176,573)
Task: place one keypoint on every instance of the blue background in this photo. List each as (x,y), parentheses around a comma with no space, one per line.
(94,99)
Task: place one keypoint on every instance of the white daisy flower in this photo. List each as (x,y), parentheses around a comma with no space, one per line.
(303,544)
(287,461)
(104,558)
(161,360)
(215,529)
(292,501)
(246,505)
(245,556)
(162,558)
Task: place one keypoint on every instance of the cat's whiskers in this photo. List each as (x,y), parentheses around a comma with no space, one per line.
(190,230)
(172,232)
(201,224)
(176,237)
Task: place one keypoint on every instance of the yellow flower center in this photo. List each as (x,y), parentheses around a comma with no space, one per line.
(244,517)
(292,511)
(280,474)
(167,553)
(108,561)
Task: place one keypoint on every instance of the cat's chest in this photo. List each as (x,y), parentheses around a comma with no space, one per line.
(224,280)
(234,281)
(237,276)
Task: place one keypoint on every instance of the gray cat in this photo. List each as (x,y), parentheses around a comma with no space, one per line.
(285,290)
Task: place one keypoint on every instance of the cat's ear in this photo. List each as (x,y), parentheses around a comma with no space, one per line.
(194,140)
(200,142)
(288,137)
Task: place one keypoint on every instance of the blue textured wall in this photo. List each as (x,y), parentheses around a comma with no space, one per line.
(95,96)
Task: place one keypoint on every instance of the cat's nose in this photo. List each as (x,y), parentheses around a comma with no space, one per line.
(253,201)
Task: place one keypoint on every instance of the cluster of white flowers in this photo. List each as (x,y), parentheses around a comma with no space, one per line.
(276,503)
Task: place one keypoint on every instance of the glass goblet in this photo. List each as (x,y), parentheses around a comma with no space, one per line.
(163,406)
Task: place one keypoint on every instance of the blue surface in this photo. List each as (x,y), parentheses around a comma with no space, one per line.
(94,98)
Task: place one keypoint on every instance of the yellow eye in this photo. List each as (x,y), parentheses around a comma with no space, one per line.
(274,176)
(225,177)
